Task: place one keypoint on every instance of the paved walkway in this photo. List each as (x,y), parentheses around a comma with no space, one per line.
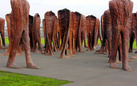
(84,69)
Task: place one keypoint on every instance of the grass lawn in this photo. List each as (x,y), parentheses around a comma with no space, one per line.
(42,42)
(14,79)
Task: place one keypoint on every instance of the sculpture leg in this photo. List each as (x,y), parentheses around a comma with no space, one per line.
(39,44)
(46,46)
(95,38)
(55,44)
(64,45)
(71,42)
(50,45)
(85,43)
(109,38)
(115,42)
(79,42)
(13,50)
(89,41)
(125,63)
(25,42)
(3,38)
(120,51)
(34,43)
(59,39)
(31,41)
(102,49)
(132,38)
(75,43)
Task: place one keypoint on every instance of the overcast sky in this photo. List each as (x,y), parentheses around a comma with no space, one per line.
(85,7)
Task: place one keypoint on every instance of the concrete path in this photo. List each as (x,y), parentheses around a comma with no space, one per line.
(84,69)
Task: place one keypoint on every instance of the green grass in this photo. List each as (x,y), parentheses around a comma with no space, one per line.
(134,45)
(14,79)
(42,42)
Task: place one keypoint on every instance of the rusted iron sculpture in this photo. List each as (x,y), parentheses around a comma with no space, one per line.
(135,57)
(106,33)
(36,33)
(120,11)
(50,32)
(82,31)
(91,24)
(10,36)
(2,25)
(31,31)
(79,29)
(133,30)
(64,17)
(96,33)
(19,26)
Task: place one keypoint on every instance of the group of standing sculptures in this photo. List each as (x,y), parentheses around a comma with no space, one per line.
(118,24)
(68,31)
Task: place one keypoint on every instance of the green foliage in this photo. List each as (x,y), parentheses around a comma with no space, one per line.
(14,79)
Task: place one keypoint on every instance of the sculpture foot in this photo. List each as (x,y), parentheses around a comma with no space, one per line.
(15,66)
(37,51)
(49,54)
(88,50)
(126,68)
(2,47)
(42,52)
(134,57)
(65,57)
(129,60)
(81,51)
(118,62)
(6,50)
(99,52)
(32,66)
(75,52)
(94,47)
(86,46)
(113,65)
(71,53)
(19,54)
(5,54)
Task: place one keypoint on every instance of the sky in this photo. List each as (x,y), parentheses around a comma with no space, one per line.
(85,7)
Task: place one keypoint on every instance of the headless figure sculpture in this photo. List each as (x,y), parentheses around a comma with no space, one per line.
(10,36)
(107,33)
(50,32)
(91,23)
(36,33)
(120,12)
(64,17)
(2,25)
(78,26)
(135,57)
(96,33)
(133,31)
(31,30)
(19,27)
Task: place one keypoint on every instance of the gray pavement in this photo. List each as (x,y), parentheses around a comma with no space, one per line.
(84,69)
